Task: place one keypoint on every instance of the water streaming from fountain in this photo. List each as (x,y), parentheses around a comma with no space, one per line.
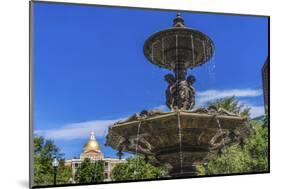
(152,51)
(211,68)
(163,51)
(192,48)
(204,50)
(223,142)
(176,48)
(220,130)
(180,142)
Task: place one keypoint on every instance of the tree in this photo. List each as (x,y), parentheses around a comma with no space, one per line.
(137,168)
(232,160)
(44,153)
(251,157)
(232,105)
(265,120)
(257,148)
(89,172)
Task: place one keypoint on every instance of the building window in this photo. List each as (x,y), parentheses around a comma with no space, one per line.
(76,165)
(106,165)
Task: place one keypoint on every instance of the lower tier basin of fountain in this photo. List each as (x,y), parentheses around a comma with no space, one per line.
(179,140)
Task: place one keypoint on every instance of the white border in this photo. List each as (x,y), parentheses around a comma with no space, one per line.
(14,82)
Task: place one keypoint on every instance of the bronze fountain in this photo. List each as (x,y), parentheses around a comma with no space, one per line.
(184,137)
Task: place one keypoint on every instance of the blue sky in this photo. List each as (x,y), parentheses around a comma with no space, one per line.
(89,67)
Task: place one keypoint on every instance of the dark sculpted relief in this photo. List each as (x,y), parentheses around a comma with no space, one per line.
(170,91)
(180,94)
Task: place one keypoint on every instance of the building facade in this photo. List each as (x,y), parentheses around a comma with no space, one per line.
(93,152)
(265,82)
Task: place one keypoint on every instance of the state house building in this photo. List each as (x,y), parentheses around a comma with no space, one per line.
(92,151)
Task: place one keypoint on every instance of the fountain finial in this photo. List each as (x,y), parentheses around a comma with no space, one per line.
(178,21)
(92,135)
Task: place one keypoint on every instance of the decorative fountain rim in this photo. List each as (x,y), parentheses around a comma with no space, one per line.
(161,33)
(190,114)
(172,113)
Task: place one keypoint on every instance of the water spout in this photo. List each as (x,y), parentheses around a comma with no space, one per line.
(192,48)
(180,143)
(204,50)
(177,61)
(223,142)
(220,130)
(211,66)
(163,50)
(152,51)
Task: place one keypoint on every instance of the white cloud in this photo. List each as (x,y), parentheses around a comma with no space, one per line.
(78,130)
(83,129)
(256,111)
(203,97)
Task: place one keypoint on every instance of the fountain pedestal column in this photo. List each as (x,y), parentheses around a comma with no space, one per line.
(187,171)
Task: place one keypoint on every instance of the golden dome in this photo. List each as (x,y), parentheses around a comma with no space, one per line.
(92,144)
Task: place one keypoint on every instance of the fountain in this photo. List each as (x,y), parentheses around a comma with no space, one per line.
(184,137)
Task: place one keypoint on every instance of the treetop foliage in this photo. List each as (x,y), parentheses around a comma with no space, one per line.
(137,168)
